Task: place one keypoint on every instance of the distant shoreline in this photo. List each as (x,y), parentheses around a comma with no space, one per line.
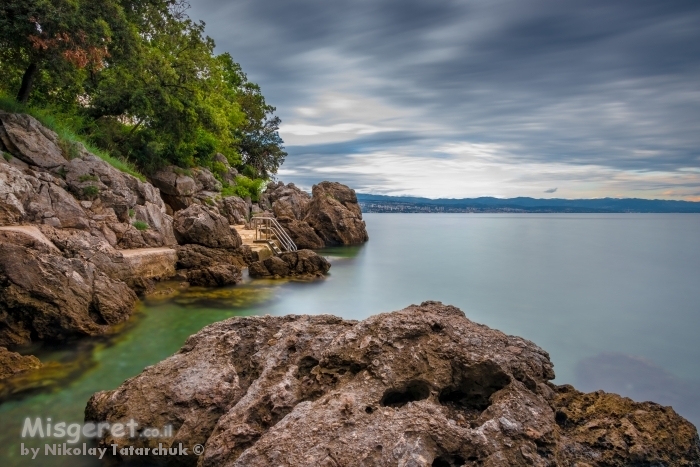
(405,204)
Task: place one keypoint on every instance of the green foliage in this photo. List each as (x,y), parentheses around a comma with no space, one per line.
(140,225)
(87,178)
(138,80)
(132,213)
(91,191)
(245,187)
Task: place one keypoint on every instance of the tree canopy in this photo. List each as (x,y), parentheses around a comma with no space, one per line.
(142,79)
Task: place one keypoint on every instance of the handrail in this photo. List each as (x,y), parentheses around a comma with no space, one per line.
(273,226)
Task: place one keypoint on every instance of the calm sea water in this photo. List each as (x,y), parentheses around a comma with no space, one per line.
(614,299)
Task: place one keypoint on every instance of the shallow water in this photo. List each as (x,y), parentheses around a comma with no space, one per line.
(613,298)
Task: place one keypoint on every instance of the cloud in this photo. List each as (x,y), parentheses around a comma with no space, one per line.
(551,190)
(601,87)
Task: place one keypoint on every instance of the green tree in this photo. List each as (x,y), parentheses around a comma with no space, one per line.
(60,37)
(258,139)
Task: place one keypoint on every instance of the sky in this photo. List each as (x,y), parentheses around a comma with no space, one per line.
(466,98)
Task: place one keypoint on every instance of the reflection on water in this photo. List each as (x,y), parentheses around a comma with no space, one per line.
(577,285)
(640,380)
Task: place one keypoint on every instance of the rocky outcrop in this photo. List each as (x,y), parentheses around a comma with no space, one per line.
(48,296)
(86,194)
(301,264)
(12,363)
(205,266)
(335,215)
(422,386)
(202,225)
(181,188)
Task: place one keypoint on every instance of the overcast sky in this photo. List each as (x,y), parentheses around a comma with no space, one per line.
(542,98)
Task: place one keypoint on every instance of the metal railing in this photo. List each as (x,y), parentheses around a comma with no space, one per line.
(267,230)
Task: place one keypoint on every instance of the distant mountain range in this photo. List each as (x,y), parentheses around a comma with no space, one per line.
(381,203)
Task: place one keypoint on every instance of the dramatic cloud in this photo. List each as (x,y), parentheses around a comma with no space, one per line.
(480,97)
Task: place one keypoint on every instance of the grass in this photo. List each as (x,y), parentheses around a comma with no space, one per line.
(132,213)
(87,178)
(68,137)
(6,156)
(140,225)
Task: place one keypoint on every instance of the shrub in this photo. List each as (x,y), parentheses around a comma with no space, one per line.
(7,156)
(87,178)
(245,187)
(91,191)
(132,213)
(140,225)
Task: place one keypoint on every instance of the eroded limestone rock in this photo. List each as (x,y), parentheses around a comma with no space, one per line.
(423,386)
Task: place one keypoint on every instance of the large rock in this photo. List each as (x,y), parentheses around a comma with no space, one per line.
(202,225)
(287,200)
(335,215)
(47,296)
(28,140)
(301,233)
(234,208)
(12,363)
(302,264)
(423,386)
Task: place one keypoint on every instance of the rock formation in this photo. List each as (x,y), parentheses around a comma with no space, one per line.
(302,264)
(48,296)
(330,217)
(423,386)
(205,266)
(335,215)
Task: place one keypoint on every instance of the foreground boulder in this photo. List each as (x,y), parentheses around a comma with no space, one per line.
(202,225)
(423,386)
(301,264)
(335,215)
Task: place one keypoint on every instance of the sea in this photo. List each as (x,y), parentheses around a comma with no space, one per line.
(613,298)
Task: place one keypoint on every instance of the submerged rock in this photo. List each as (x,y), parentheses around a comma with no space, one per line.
(423,386)
(335,215)
(12,363)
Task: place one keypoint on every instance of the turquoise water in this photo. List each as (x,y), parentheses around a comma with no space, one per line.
(615,299)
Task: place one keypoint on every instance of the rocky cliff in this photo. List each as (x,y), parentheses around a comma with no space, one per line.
(423,386)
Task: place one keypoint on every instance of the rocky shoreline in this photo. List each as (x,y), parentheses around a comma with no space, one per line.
(81,240)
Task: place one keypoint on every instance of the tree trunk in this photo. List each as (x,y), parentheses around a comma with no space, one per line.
(27,83)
